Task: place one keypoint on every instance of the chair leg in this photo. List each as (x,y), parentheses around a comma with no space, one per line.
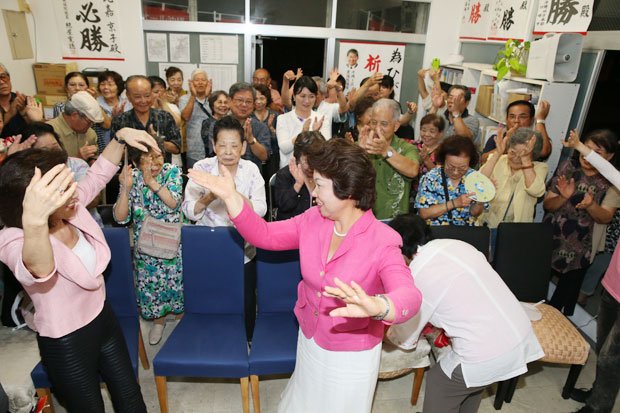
(500,396)
(245,394)
(144,360)
(45,392)
(573,375)
(162,393)
(512,386)
(418,376)
(255,393)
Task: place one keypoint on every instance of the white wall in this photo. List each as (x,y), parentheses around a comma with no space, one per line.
(442,36)
(49,50)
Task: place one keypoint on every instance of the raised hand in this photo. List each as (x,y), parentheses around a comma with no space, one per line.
(247,130)
(358,303)
(18,145)
(565,187)
(412,107)
(306,126)
(317,123)
(45,194)
(139,139)
(222,185)
(125,178)
(296,171)
(542,110)
(145,167)
(501,140)
(586,202)
(88,151)
(209,87)
(192,88)
(33,110)
(118,108)
(299,73)
(437,98)
(290,75)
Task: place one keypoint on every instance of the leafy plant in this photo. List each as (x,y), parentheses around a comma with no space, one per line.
(512,56)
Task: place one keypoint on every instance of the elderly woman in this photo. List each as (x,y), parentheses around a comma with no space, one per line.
(153,188)
(294,183)
(431,135)
(267,117)
(194,111)
(574,202)
(174,77)
(74,82)
(442,198)
(301,118)
(347,257)
(58,253)
(492,337)
(519,180)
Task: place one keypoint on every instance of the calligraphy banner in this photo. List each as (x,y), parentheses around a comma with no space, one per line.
(89,29)
(566,16)
(476,19)
(359,60)
(512,19)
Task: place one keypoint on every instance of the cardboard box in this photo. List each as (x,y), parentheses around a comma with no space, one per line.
(484,102)
(50,77)
(518,96)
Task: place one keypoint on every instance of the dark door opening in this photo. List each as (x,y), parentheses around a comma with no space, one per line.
(279,54)
(603,111)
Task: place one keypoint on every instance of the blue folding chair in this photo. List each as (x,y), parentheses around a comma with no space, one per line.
(274,344)
(210,340)
(120,293)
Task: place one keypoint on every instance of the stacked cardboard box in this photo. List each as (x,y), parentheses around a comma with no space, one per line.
(50,81)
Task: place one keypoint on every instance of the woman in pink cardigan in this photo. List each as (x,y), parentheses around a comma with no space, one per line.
(58,253)
(354,279)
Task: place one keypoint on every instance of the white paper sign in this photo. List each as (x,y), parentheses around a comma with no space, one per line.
(156,47)
(511,19)
(223,76)
(89,29)
(179,47)
(186,68)
(572,16)
(219,49)
(387,58)
(476,19)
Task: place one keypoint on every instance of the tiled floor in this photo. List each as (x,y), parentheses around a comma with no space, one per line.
(538,391)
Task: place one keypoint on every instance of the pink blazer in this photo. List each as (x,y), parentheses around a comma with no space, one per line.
(69,297)
(370,254)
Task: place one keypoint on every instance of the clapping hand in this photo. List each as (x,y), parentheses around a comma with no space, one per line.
(118,108)
(565,187)
(18,145)
(586,202)
(437,98)
(358,303)
(33,111)
(377,144)
(317,123)
(125,178)
(45,194)
(88,151)
(296,171)
(412,107)
(222,185)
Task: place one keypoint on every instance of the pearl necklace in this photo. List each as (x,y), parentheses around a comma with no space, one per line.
(338,234)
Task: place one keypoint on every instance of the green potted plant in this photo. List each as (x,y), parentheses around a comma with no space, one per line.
(512,57)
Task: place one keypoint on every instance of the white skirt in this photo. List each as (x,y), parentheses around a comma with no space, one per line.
(331,381)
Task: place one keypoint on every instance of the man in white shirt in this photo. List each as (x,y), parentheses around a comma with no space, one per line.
(492,337)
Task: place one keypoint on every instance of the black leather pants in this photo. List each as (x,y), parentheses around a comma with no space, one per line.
(76,362)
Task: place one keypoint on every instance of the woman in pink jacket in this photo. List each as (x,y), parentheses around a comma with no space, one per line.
(58,253)
(354,279)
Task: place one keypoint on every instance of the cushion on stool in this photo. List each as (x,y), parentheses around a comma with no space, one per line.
(396,361)
(559,338)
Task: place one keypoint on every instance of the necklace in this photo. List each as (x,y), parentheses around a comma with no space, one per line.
(338,234)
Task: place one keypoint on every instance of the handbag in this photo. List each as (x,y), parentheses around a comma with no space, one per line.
(159,239)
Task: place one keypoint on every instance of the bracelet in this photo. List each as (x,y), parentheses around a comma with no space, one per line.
(119,140)
(381,317)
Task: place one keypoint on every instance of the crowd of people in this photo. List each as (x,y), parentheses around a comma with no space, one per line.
(325,162)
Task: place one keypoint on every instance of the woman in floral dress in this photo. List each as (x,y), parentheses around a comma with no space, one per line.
(153,188)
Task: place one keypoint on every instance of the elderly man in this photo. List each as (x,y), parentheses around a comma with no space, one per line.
(459,120)
(262,77)
(255,133)
(194,110)
(521,114)
(74,126)
(396,161)
(16,109)
(143,117)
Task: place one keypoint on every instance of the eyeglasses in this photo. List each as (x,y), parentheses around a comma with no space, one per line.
(84,117)
(5,77)
(457,169)
(243,101)
(154,157)
(383,124)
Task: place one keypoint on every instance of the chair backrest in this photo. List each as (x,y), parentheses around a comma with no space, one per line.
(119,280)
(273,209)
(523,258)
(278,275)
(213,272)
(479,237)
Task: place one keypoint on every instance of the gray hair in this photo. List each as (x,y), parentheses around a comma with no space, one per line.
(320,84)
(5,69)
(70,109)
(241,87)
(197,72)
(389,104)
(522,137)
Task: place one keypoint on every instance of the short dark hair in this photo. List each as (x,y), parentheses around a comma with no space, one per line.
(354,51)
(227,123)
(465,89)
(307,143)
(156,80)
(607,140)
(435,120)
(350,170)
(240,87)
(457,145)
(364,80)
(305,82)
(71,75)
(135,154)
(414,232)
(527,103)
(215,96)
(264,90)
(116,78)
(15,175)
(136,77)
(361,106)
(39,129)
(173,70)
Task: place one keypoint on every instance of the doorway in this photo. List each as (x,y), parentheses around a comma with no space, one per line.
(279,54)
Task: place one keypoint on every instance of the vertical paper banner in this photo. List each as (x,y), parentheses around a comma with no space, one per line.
(89,29)
(568,16)
(476,19)
(359,60)
(512,19)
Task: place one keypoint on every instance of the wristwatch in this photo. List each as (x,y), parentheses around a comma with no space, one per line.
(540,121)
(388,154)
(456,115)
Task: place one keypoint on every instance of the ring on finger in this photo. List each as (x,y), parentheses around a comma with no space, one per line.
(61,191)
